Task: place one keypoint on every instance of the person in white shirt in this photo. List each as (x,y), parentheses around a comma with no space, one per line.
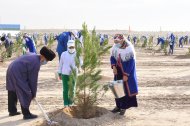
(66,65)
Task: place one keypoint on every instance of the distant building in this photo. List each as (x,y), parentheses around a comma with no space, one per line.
(13,29)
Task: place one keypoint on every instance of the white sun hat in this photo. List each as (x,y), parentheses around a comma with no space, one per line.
(71,43)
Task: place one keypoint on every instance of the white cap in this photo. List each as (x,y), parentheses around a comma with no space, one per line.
(71,43)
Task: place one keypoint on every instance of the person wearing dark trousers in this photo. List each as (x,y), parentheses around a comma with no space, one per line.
(12,102)
(12,106)
(21,81)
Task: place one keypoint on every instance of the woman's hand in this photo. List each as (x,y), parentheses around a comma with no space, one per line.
(125,78)
(114,70)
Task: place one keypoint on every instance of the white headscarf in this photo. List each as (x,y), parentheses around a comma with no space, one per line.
(125,54)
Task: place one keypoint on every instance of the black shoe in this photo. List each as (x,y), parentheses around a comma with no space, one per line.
(116,109)
(122,111)
(14,114)
(30,116)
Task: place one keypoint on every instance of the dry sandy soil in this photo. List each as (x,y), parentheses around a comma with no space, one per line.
(163,99)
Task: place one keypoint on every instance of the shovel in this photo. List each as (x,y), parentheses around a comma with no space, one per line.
(49,122)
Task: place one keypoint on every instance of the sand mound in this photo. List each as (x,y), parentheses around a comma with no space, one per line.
(67,117)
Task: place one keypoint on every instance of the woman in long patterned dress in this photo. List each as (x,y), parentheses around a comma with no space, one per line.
(123,63)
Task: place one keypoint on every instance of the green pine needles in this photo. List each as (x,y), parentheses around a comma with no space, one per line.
(88,87)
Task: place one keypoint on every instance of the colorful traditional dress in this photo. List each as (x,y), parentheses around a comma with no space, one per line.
(124,61)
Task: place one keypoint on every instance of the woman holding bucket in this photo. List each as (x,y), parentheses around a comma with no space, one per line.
(124,68)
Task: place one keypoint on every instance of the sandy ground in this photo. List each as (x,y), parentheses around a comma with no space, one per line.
(163,99)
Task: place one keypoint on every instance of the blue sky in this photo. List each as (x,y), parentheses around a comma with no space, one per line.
(141,15)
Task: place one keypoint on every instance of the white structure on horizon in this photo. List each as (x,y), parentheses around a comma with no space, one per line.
(13,29)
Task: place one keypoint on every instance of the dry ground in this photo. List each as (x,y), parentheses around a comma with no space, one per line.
(163,99)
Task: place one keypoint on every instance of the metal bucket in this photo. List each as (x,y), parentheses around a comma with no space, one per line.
(117,88)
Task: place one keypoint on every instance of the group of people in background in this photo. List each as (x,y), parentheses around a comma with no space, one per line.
(30,41)
(22,73)
(169,40)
